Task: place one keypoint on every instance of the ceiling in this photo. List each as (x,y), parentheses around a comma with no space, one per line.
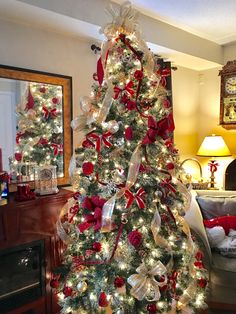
(209,19)
(214,20)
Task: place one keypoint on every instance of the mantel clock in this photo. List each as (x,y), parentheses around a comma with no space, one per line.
(228,96)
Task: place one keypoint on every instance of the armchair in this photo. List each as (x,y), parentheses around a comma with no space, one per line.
(207,204)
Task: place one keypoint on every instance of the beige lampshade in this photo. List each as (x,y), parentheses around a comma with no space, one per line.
(213,146)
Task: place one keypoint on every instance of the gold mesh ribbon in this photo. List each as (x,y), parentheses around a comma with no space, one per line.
(108,207)
(144,285)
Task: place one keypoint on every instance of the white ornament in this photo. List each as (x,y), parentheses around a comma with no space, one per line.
(85,104)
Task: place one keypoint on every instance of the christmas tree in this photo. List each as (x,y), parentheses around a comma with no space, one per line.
(39,137)
(128,246)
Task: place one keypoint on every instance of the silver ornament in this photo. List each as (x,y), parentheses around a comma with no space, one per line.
(112,126)
(82,286)
(120,312)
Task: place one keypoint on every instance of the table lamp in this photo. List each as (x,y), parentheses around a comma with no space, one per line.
(213,146)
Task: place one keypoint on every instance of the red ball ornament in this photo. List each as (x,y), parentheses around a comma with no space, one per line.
(138,74)
(87,168)
(67,291)
(170,166)
(97,247)
(102,301)
(152,308)
(131,105)
(42,89)
(18,156)
(202,282)
(135,238)
(129,133)
(54,283)
(55,100)
(119,282)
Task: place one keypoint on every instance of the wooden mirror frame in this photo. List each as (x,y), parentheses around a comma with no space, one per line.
(14,73)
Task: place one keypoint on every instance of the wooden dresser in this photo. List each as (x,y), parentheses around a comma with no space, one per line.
(28,222)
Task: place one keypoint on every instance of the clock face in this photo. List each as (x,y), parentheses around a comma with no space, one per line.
(230,85)
(45,174)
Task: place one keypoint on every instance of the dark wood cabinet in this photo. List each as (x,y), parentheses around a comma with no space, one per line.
(28,222)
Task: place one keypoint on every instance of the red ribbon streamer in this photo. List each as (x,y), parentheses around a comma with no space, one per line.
(73,210)
(138,197)
(19,135)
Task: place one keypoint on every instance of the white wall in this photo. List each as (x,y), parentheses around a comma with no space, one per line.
(229,52)
(185,88)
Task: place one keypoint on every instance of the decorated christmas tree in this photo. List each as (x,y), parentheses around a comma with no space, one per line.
(39,137)
(128,246)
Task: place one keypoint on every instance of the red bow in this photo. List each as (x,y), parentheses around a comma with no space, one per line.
(99,139)
(19,135)
(213,165)
(92,220)
(138,197)
(127,88)
(167,186)
(73,211)
(161,128)
(52,113)
(57,149)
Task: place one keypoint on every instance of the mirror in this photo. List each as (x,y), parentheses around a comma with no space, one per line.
(35,116)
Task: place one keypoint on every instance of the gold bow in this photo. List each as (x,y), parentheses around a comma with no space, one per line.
(144,285)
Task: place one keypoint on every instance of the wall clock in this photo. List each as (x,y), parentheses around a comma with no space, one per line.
(228,96)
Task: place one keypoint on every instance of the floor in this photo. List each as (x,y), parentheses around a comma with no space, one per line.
(215,311)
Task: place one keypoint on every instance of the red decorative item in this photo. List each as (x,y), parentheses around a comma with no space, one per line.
(87,143)
(24,193)
(43,141)
(42,89)
(54,283)
(170,166)
(131,105)
(18,156)
(152,308)
(94,204)
(202,282)
(102,301)
(55,100)
(19,135)
(227,222)
(135,238)
(138,197)
(87,168)
(129,133)
(161,128)
(100,71)
(119,282)
(138,74)
(128,89)
(57,149)
(67,291)
(49,113)
(166,103)
(199,255)
(97,247)
(104,138)
(30,101)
